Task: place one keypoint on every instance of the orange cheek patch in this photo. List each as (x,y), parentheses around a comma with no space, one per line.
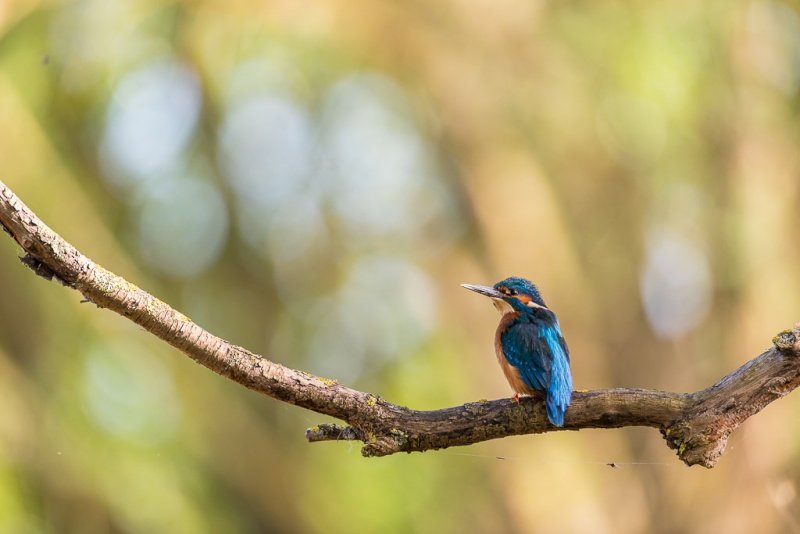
(525,299)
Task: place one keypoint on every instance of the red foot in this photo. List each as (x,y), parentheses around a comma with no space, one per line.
(516,397)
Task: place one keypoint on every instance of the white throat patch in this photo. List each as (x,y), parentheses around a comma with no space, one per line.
(532,304)
(502,306)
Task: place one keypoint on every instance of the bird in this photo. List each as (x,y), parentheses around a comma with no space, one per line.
(529,344)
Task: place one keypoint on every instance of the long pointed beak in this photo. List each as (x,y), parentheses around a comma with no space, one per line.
(484,290)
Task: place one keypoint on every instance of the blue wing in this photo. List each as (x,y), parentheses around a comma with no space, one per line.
(538,350)
(559,393)
(529,353)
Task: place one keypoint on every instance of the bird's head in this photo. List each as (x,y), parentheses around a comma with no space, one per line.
(511,294)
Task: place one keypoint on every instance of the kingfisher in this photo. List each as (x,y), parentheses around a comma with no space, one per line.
(530,347)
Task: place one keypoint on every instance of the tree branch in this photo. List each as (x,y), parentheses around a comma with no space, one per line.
(697,425)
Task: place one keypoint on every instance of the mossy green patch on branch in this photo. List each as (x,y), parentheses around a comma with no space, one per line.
(784,341)
(108,282)
(399,437)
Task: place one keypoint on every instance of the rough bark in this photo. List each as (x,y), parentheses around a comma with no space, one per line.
(697,425)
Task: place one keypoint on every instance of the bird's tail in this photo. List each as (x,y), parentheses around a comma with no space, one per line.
(556,409)
(559,394)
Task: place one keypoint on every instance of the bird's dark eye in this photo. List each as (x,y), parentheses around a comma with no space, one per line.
(512,292)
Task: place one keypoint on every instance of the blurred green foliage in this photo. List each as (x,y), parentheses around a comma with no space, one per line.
(313,181)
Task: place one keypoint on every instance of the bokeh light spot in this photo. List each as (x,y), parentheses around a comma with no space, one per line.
(380,170)
(675,283)
(182,226)
(385,308)
(150,120)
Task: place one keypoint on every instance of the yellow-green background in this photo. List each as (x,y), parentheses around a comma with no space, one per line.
(313,180)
